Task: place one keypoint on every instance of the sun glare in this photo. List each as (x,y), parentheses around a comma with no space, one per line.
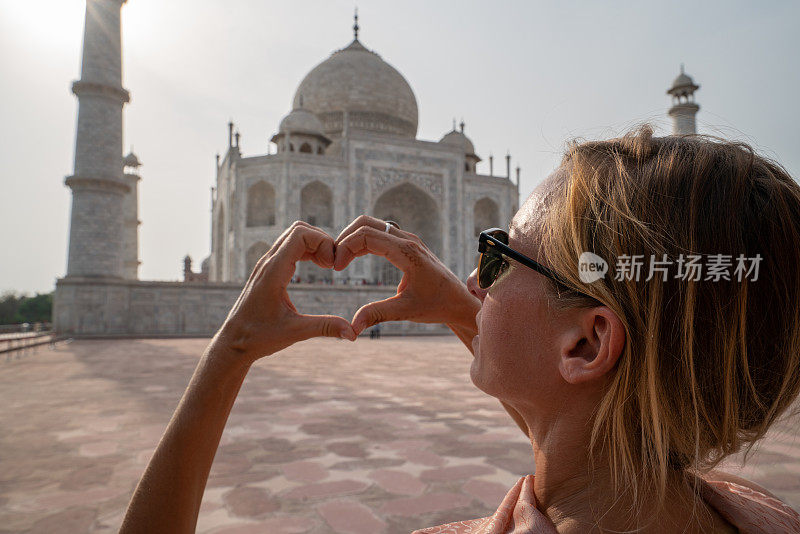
(48,26)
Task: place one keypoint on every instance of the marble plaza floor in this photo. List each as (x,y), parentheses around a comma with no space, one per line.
(376,436)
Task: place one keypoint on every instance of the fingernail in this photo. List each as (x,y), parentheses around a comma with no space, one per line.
(347,333)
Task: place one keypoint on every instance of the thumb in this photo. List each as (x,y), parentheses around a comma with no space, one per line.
(391,309)
(325,326)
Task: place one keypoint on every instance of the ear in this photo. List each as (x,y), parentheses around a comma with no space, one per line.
(591,345)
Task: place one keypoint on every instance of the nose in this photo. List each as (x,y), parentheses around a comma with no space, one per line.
(472,285)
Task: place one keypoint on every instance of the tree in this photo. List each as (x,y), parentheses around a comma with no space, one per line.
(9,304)
(16,308)
(38,309)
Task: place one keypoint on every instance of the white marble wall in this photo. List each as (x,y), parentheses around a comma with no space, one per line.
(85,307)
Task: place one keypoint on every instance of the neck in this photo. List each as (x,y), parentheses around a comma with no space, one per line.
(579,495)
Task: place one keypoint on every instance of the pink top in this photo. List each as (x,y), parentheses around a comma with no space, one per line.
(747,509)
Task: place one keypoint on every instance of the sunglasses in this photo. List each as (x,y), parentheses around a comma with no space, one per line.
(494,249)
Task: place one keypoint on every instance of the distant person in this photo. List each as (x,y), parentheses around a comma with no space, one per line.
(632,384)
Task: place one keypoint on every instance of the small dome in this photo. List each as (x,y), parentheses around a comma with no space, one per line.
(356,80)
(683,85)
(683,80)
(131,160)
(301,121)
(458,139)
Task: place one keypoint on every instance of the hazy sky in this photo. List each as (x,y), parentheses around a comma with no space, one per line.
(526,76)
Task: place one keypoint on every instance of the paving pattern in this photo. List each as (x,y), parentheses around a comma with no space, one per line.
(377,436)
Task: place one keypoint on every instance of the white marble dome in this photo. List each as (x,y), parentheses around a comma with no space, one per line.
(375,96)
(301,121)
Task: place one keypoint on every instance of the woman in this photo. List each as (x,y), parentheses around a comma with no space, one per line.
(632,384)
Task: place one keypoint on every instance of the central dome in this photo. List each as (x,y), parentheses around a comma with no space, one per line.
(355,80)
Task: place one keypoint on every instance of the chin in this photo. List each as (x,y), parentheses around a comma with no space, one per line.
(477,375)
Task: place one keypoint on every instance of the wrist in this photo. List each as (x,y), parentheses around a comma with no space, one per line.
(228,351)
(466,309)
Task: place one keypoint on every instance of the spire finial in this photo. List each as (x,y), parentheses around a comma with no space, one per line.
(454,124)
(462,125)
(355,25)
(682,68)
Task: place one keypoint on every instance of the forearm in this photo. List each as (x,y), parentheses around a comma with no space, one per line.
(169,494)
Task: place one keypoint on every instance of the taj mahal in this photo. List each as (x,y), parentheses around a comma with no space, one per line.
(348,146)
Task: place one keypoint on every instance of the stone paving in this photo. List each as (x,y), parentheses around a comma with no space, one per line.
(376,436)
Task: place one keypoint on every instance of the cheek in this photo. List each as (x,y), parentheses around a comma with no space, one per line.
(513,358)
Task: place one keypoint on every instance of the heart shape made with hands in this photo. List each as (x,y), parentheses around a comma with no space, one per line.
(428,291)
(367,235)
(362,241)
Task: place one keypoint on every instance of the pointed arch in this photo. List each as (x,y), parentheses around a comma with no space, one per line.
(416,212)
(485,214)
(260,205)
(316,204)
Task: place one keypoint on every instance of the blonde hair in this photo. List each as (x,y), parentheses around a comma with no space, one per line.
(708,365)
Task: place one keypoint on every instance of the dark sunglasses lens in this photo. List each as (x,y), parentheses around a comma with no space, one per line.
(489,268)
(491,261)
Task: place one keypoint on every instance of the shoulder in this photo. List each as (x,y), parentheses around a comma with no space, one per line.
(747,506)
(721,476)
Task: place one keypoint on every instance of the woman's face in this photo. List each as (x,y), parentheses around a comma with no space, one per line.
(516,350)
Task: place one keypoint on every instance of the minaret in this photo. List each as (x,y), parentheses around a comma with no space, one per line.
(96,235)
(131,222)
(684,108)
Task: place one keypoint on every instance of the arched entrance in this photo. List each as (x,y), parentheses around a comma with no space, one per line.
(316,204)
(260,205)
(416,212)
(254,254)
(485,215)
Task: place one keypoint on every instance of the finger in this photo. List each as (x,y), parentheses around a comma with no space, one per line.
(275,246)
(302,244)
(358,222)
(394,308)
(281,238)
(367,240)
(309,326)
(378,224)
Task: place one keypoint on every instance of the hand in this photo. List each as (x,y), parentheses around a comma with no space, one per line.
(428,292)
(263,320)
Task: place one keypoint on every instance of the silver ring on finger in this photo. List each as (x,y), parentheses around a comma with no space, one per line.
(389,225)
